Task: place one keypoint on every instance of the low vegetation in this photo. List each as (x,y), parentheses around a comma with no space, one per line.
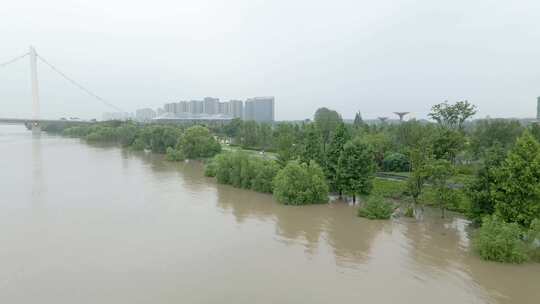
(376,208)
(499,241)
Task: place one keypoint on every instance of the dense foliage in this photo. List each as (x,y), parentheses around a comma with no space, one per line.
(356,168)
(198,142)
(488,167)
(301,184)
(499,241)
(195,142)
(396,162)
(243,171)
(376,207)
(517,187)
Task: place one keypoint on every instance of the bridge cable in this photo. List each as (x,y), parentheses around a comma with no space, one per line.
(13,60)
(81,87)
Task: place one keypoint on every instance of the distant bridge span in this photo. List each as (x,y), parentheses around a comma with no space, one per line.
(31,123)
(35,122)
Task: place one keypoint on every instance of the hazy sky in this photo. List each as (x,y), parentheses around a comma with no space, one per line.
(374,56)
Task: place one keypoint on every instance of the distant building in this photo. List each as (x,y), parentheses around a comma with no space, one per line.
(538,109)
(169,107)
(210,105)
(116,116)
(146,114)
(196,107)
(260,109)
(224,108)
(236,108)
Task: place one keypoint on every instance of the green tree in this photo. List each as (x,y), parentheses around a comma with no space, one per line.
(285,140)
(421,159)
(266,170)
(452,116)
(300,184)
(339,138)
(535,131)
(312,147)
(441,171)
(326,121)
(248,134)
(197,142)
(447,143)
(499,241)
(480,190)
(380,143)
(358,121)
(233,129)
(162,137)
(396,162)
(356,169)
(264,136)
(517,190)
(488,132)
(126,134)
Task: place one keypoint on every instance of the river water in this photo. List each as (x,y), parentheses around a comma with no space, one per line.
(82,223)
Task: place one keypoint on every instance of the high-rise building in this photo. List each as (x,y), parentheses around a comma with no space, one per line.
(538,109)
(260,109)
(236,108)
(146,114)
(224,108)
(169,107)
(196,106)
(210,105)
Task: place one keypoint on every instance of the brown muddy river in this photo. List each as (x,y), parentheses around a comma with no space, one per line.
(82,223)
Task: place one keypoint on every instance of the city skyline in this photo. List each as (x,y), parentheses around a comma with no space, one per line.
(377,57)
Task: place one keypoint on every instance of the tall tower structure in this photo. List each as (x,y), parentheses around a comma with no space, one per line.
(401,115)
(35,89)
(538,108)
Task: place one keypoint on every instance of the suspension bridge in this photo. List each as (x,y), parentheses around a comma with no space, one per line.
(35,122)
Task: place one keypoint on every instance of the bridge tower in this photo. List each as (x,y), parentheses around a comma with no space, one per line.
(35,90)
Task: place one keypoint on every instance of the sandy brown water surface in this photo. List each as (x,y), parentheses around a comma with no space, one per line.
(82,223)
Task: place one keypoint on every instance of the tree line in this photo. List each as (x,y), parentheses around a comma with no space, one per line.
(489,169)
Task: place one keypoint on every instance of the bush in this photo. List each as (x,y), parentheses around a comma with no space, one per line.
(243,171)
(499,241)
(265,170)
(301,184)
(174,155)
(210,169)
(198,142)
(396,162)
(375,208)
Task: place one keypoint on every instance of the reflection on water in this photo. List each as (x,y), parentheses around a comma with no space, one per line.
(118,226)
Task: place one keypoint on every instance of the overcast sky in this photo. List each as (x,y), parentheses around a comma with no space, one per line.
(349,55)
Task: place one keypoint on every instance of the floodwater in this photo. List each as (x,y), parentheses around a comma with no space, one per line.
(82,223)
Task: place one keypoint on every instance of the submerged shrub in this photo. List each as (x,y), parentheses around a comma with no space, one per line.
(376,208)
(301,184)
(210,169)
(243,171)
(174,155)
(499,241)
